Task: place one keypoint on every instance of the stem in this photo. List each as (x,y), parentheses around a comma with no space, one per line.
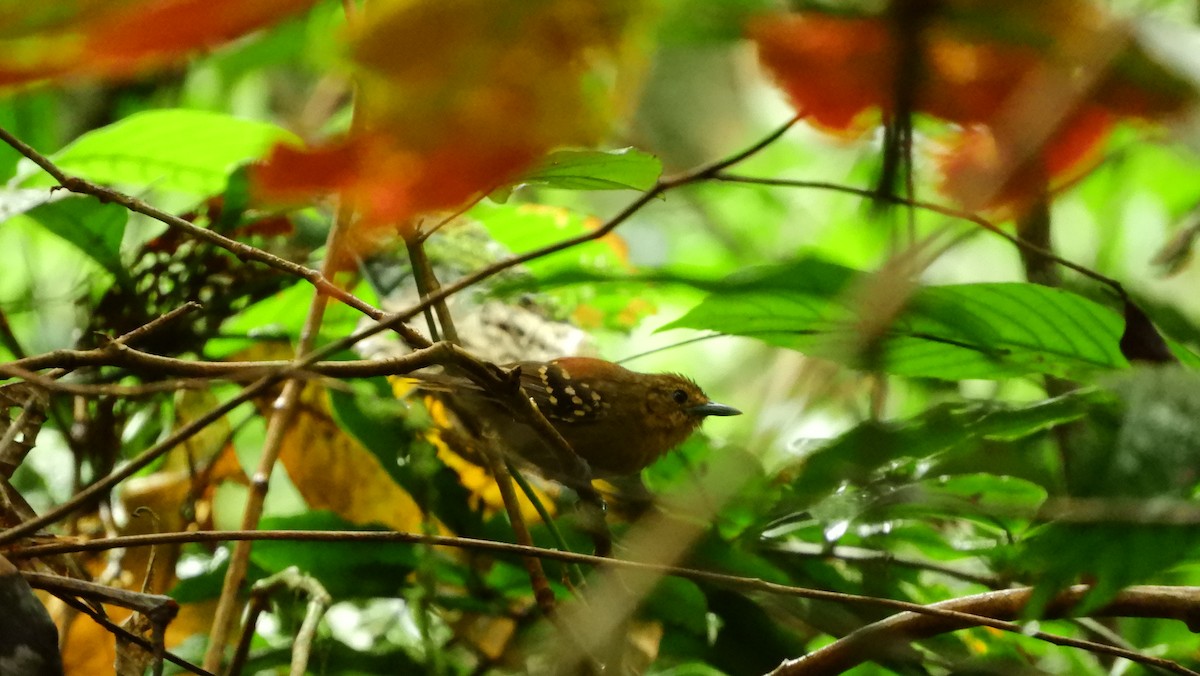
(284,409)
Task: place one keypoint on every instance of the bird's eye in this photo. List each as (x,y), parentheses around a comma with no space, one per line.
(680,397)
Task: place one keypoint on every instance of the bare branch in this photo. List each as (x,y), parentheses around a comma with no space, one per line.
(876,641)
(1178,603)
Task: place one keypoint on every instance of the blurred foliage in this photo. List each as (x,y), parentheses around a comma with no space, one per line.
(922,423)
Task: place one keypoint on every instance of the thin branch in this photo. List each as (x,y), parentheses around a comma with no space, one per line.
(428,357)
(103,390)
(1152,601)
(662,186)
(931,207)
(427,283)
(243,251)
(533,565)
(283,413)
(127,635)
(153,606)
(241,653)
(289,579)
(242,371)
(875,641)
(10,461)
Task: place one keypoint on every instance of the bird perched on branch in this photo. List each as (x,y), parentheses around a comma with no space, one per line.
(616,420)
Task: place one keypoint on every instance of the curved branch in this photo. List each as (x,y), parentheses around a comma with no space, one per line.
(1022,244)
(242,250)
(878,640)
(701,173)
(1180,603)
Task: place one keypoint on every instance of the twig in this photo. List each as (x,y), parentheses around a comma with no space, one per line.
(283,412)
(663,185)
(10,461)
(242,371)
(426,357)
(931,207)
(153,606)
(244,251)
(427,284)
(290,579)
(547,518)
(1179,603)
(533,565)
(157,609)
(876,640)
(256,606)
(105,390)
(127,635)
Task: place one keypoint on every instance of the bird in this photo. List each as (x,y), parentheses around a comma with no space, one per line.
(616,420)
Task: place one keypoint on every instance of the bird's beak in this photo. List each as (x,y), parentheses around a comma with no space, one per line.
(713,408)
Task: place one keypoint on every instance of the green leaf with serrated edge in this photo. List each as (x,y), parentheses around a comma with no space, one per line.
(93,227)
(187,151)
(954,332)
(624,169)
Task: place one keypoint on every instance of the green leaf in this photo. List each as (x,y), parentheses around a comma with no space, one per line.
(1110,556)
(373,415)
(346,569)
(1139,453)
(678,602)
(984,497)
(955,332)
(523,228)
(95,228)
(856,455)
(624,169)
(188,151)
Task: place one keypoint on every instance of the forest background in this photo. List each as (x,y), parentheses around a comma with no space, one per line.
(938,252)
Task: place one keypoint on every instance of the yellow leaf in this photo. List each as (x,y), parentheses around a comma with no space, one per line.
(332,471)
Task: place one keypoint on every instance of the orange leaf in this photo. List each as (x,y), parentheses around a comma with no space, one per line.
(979,62)
(980,171)
(457,97)
(833,68)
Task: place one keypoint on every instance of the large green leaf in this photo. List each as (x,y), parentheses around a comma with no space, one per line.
(955,332)
(95,228)
(624,169)
(188,151)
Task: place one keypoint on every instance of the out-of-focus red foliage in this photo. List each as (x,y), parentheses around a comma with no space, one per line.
(978,59)
(456,98)
(123,37)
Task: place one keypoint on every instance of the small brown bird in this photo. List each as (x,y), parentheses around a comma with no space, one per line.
(617,420)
